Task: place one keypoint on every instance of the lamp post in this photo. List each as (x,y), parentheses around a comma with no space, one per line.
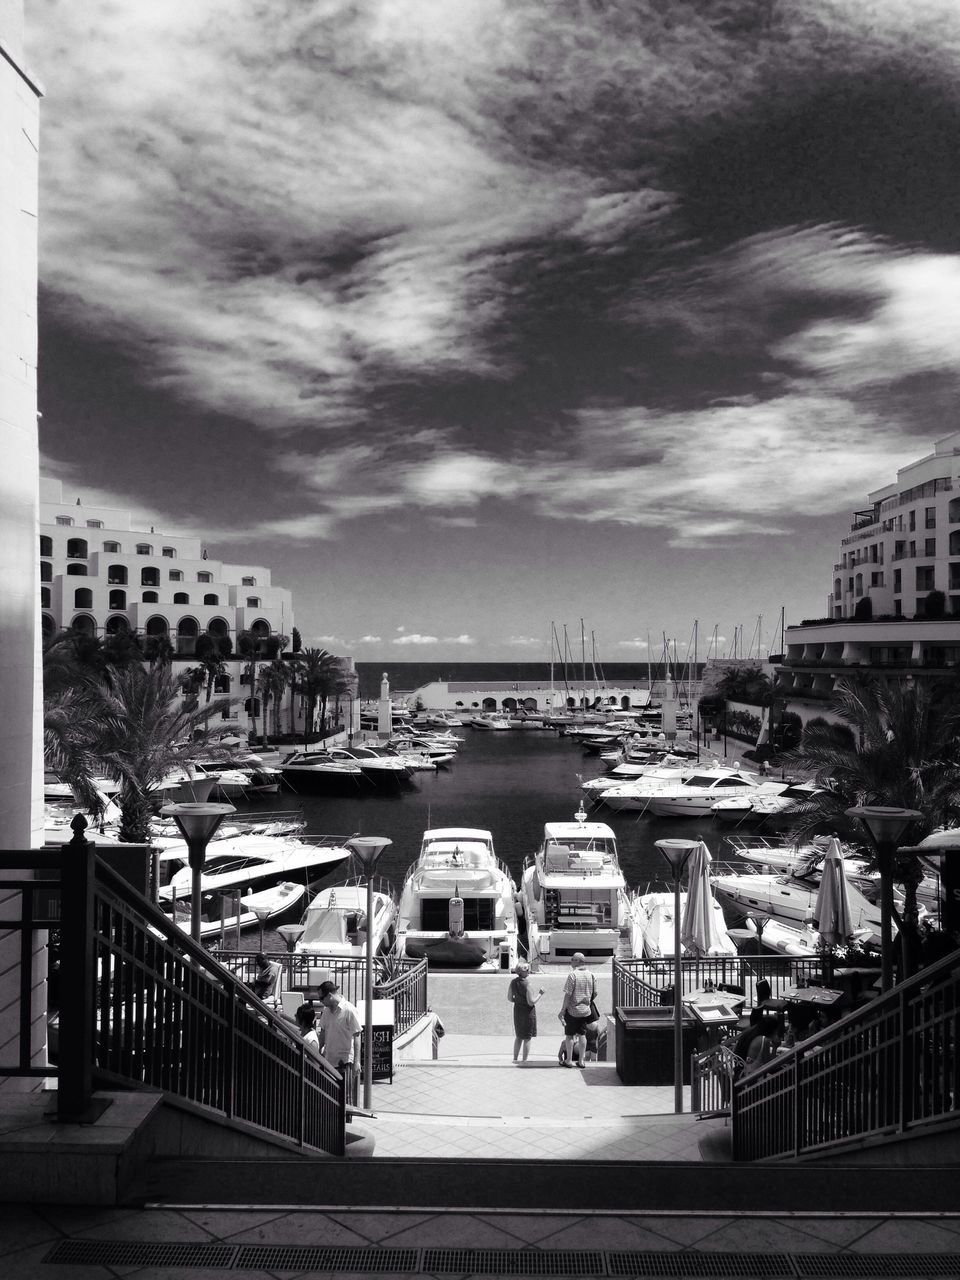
(291,934)
(760,922)
(886,825)
(262,917)
(197,821)
(367,850)
(677,852)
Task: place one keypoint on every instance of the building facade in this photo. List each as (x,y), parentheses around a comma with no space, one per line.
(894,603)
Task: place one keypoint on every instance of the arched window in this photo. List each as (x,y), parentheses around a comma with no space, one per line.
(204,576)
(144,549)
(117,624)
(261,629)
(46,545)
(150,597)
(169,552)
(181,597)
(150,577)
(117,575)
(117,600)
(256,706)
(76,549)
(44,597)
(83,598)
(84,624)
(218,627)
(187,631)
(47,626)
(112,548)
(46,571)
(955,543)
(175,575)
(157,626)
(248,582)
(253,602)
(77,570)
(211,599)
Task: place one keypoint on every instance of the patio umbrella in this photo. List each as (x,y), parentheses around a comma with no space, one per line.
(831,915)
(699,928)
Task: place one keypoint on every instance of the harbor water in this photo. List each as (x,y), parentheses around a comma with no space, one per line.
(508,782)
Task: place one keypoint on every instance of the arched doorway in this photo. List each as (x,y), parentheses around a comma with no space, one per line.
(84,624)
(510,704)
(489,704)
(530,704)
(188,629)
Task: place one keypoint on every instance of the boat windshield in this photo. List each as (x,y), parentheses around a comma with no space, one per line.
(455,855)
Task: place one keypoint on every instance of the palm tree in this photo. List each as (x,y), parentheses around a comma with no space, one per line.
(272,683)
(247,648)
(315,679)
(896,743)
(207,654)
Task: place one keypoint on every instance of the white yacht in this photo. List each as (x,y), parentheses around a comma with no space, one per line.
(490,722)
(638,793)
(313,771)
(218,911)
(252,863)
(458,903)
(695,796)
(573,894)
(335,922)
(771,800)
(653,915)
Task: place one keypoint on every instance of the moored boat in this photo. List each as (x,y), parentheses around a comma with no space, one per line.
(335,922)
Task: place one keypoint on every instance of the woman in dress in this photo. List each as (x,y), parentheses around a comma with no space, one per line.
(524,1011)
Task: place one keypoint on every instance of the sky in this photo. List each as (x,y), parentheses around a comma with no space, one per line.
(470,316)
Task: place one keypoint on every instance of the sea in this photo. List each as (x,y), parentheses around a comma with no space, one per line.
(509,782)
(405,677)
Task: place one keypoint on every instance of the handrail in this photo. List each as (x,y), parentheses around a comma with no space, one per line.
(712,1075)
(888,1069)
(643,981)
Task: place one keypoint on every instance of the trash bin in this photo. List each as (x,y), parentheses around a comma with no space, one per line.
(645,1045)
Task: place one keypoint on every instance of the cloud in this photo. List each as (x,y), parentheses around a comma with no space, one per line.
(635,643)
(414,638)
(524,642)
(461,639)
(369,640)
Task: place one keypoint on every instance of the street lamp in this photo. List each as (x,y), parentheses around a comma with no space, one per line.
(886,825)
(367,851)
(677,852)
(197,820)
(291,934)
(263,915)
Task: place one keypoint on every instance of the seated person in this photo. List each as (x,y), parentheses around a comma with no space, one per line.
(266,978)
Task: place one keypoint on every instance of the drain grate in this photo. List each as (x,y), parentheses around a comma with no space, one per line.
(127,1253)
(514,1262)
(685,1264)
(899,1265)
(628,1262)
(371,1258)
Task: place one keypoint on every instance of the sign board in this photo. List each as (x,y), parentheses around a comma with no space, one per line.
(382,1039)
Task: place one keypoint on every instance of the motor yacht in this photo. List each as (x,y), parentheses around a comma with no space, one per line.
(335,922)
(490,722)
(573,895)
(653,916)
(637,793)
(252,863)
(443,720)
(695,796)
(315,771)
(218,911)
(460,895)
(381,770)
(770,801)
(440,752)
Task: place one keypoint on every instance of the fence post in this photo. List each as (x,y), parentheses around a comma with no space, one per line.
(75,1101)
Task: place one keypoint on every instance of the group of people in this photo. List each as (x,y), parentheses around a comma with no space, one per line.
(578,1013)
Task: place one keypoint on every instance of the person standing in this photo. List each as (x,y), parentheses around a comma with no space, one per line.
(524,1010)
(339,1036)
(579,991)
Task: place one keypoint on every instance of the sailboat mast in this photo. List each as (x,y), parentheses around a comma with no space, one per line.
(583,663)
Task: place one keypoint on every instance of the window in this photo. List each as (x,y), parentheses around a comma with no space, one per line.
(175,575)
(849,584)
(46,571)
(117,575)
(48,626)
(912,550)
(837,587)
(898,608)
(64,519)
(150,577)
(955,577)
(169,552)
(84,624)
(209,599)
(77,570)
(46,545)
(150,597)
(929,546)
(899,550)
(94,524)
(117,600)
(117,624)
(930,517)
(256,706)
(913,521)
(896,580)
(144,549)
(253,602)
(113,548)
(858,588)
(925,578)
(44,597)
(181,597)
(955,605)
(248,582)
(221,684)
(77,549)
(876,579)
(203,576)
(83,598)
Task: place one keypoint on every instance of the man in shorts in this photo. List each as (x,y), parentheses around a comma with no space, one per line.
(339,1035)
(579,990)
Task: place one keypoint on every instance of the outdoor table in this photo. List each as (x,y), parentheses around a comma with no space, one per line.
(702,996)
(823,996)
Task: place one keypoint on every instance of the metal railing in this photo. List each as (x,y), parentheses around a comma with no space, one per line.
(141,1004)
(889,1069)
(643,982)
(712,1075)
(395,978)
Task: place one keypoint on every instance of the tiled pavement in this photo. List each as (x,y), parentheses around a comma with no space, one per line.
(475,1102)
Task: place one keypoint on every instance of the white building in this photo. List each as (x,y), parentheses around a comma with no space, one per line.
(902,546)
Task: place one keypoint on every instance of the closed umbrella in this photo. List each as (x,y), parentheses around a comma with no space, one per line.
(832,917)
(700,931)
